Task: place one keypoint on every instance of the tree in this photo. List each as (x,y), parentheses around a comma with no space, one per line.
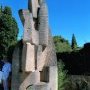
(61,44)
(63,79)
(7,10)
(74,43)
(8,31)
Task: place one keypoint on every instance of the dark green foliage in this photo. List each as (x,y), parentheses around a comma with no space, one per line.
(65,82)
(82,85)
(61,45)
(8,31)
(74,43)
(7,10)
(63,79)
(78,62)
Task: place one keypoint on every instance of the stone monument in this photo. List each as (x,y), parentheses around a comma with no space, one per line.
(34,64)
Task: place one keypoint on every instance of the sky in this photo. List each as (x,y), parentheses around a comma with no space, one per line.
(66,17)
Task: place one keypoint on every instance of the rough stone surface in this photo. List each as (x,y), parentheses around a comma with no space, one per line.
(30,34)
(28,26)
(32,79)
(35,37)
(28,57)
(15,70)
(33,7)
(43,25)
(35,65)
(41,60)
(51,59)
(53,77)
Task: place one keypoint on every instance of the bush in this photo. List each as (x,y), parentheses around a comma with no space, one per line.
(63,79)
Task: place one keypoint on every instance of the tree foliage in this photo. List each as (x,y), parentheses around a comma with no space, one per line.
(61,45)
(7,10)
(63,79)
(74,43)
(8,31)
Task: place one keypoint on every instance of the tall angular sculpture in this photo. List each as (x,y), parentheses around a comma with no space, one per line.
(34,65)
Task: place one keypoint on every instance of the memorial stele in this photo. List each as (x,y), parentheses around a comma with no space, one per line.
(34,64)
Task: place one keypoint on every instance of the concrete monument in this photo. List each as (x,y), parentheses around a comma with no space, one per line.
(34,64)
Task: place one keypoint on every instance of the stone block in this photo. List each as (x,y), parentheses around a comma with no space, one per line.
(32,79)
(39,86)
(53,74)
(42,87)
(35,37)
(27,26)
(27,20)
(30,34)
(43,25)
(41,59)
(51,59)
(28,58)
